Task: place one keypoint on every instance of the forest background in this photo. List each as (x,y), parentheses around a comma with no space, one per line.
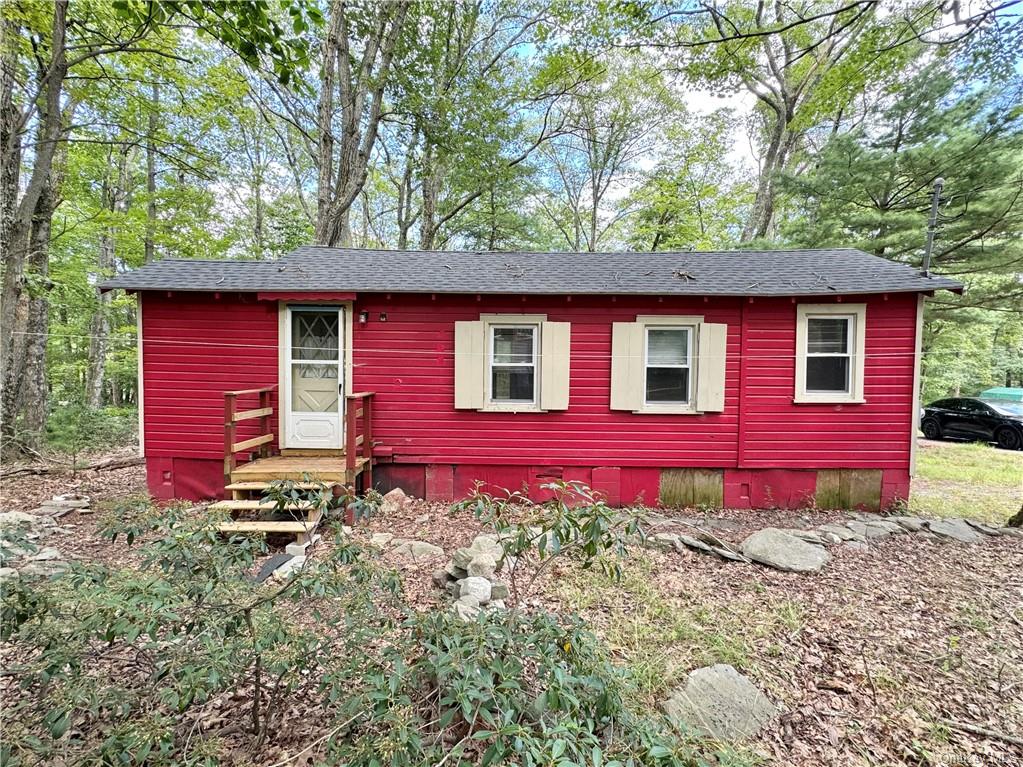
(132,131)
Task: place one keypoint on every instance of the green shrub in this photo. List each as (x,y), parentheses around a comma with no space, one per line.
(118,665)
(574,522)
(77,429)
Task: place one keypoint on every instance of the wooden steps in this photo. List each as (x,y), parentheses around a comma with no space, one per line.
(308,469)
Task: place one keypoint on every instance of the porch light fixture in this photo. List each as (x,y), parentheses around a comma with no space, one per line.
(363,317)
(383,316)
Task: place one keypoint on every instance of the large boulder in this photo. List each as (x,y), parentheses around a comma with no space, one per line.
(784,551)
(956,529)
(719,702)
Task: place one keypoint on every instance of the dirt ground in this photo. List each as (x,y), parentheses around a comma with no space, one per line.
(886,657)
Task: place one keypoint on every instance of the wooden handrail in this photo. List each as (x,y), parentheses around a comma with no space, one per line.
(233,416)
(359,445)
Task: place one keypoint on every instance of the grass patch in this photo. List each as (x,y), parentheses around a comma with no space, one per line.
(662,637)
(967,480)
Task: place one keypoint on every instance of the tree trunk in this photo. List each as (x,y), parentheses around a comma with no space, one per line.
(23,355)
(763,205)
(151,175)
(360,99)
(117,196)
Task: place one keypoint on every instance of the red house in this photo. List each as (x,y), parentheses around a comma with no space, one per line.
(743,379)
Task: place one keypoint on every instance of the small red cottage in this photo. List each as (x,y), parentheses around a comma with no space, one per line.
(743,379)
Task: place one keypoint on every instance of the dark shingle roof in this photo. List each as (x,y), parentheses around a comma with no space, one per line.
(725,273)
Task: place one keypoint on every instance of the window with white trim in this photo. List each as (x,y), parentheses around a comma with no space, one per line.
(668,366)
(512,370)
(515,363)
(830,352)
(829,344)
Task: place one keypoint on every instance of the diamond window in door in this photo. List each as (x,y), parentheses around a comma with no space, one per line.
(314,336)
(314,361)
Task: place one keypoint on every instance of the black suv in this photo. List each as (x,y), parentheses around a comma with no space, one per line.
(976,420)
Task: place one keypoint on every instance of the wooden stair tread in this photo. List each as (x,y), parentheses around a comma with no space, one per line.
(258,505)
(268,526)
(262,485)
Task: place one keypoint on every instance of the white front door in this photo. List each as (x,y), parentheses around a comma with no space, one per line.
(313,377)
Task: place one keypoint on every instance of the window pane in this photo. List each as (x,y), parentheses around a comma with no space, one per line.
(314,335)
(314,388)
(827,335)
(513,345)
(667,385)
(512,384)
(827,374)
(667,346)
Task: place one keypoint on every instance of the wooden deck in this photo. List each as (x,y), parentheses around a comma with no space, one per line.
(326,469)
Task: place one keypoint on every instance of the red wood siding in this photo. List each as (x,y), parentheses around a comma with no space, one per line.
(194,348)
(408,361)
(780,434)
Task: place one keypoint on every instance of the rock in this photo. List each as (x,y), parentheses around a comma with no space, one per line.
(830,538)
(441,578)
(910,524)
(381,539)
(498,590)
(455,572)
(53,512)
(719,702)
(289,568)
(810,536)
(422,519)
(268,567)
(729,554)
(419,550)
(46,554)
(476,587)
(454,588)
(10,519)
(1014,532)
(839,531)
(8,574)
(296,549)
(858,546)
(858,527)
(394,501)
(497,604)
(893,528)
(61,502)
(778,549)
(462,557)
(876,532)
(467,608)
(45,569)
(662,540)
(956,529)
(482,566)
(689,541)
(984,528)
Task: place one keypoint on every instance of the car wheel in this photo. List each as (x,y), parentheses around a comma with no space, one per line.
(1008,439)
(931,429)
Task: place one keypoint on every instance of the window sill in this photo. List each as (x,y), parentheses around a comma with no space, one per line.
(667,410)
(517,408)
(805,399)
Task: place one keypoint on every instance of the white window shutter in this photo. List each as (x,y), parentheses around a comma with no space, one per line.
(626,366)
(710,367)
(555,355)
(470,365)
